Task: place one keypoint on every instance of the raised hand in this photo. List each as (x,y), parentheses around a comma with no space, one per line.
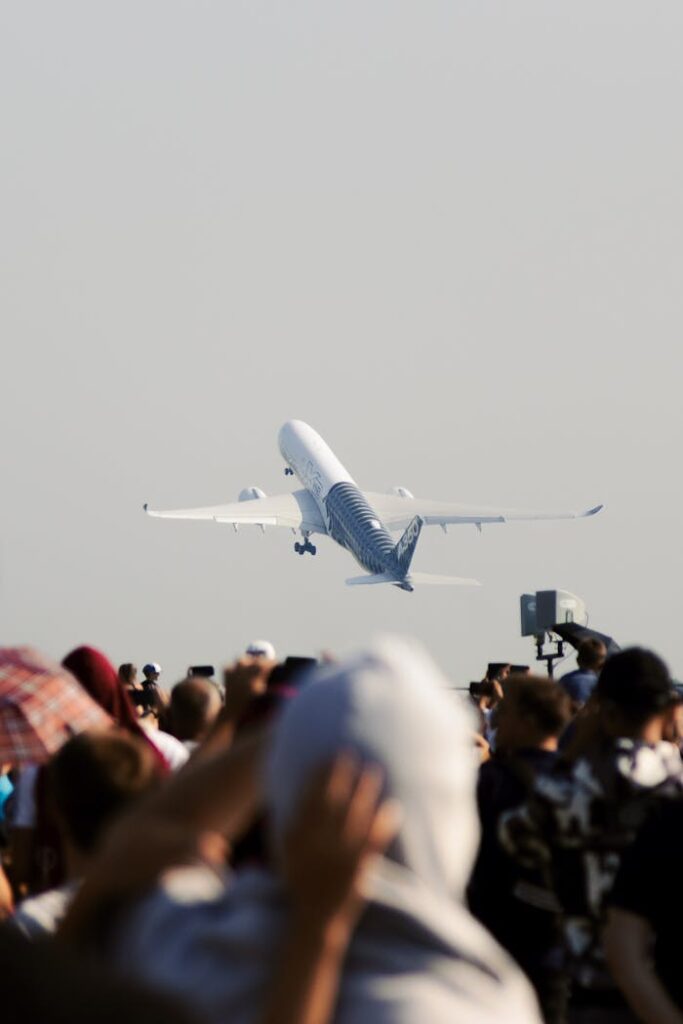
(245,679)
(342,824)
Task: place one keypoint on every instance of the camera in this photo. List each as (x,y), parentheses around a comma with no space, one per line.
(543,611)
(554,617)
(203,671)
(290,671)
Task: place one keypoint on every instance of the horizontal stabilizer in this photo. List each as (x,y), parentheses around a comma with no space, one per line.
(418,578)
(414,579)
(379,577)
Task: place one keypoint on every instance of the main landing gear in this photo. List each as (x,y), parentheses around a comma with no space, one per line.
(301,549)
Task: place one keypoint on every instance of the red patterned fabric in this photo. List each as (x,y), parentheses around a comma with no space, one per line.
(41,706)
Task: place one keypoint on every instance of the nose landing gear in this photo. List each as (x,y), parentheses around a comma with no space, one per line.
(301,549)
(289,471)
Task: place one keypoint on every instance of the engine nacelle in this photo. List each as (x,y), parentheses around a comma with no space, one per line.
(401,492)
(251,493)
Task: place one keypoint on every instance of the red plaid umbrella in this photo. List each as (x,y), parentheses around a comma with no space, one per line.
(41,706)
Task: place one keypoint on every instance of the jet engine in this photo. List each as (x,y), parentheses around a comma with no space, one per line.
(401,492)
(250,493)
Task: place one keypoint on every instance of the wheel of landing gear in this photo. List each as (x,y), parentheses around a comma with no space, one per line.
(297,548)
(313,549)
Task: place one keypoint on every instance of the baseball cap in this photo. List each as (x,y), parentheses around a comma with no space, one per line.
(261,649)
(152,666)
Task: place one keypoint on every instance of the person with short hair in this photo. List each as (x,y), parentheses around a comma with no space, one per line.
(128,674)
(578,822)
(580,683)
(513,902)
(498,671)
(486,696)
(192,710)
(91,780)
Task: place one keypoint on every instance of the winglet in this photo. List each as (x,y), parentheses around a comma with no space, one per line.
(592,511)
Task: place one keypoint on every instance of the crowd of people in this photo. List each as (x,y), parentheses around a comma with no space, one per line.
(353,841)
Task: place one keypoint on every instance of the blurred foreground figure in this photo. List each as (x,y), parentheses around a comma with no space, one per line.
(44,984)
(416,953)
(93,778)
(513,902)
(192,710)
(579,820)
(643,933)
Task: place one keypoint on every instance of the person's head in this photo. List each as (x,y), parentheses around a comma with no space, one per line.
(390,706)
(673,719)
(486,694)
(97,675)
(634,692)
(128,673)
(591,655)
(151,672)
(498,671)
(93,778)
(533,714)
(193,708)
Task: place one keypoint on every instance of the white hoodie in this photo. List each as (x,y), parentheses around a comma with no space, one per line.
(417,953)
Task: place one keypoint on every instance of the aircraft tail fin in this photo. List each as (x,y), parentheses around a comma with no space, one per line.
(420,578)
(405,549)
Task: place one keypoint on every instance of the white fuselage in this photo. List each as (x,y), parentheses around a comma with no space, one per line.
(312,460)
(348,517)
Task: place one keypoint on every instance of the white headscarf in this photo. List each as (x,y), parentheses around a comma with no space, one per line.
(392,707)
(417,953)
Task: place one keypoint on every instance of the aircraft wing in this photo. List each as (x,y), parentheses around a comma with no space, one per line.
(298,511)
(396,512)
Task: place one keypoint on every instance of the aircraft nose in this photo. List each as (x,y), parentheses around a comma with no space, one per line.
(282,434)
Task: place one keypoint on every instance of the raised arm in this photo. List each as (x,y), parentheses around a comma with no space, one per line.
(187,820)
(341,827)
(628,941)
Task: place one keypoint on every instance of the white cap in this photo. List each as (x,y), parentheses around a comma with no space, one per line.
(261,649)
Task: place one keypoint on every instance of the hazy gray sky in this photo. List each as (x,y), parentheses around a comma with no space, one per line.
(446,234)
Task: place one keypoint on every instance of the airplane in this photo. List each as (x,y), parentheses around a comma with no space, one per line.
(330,503)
